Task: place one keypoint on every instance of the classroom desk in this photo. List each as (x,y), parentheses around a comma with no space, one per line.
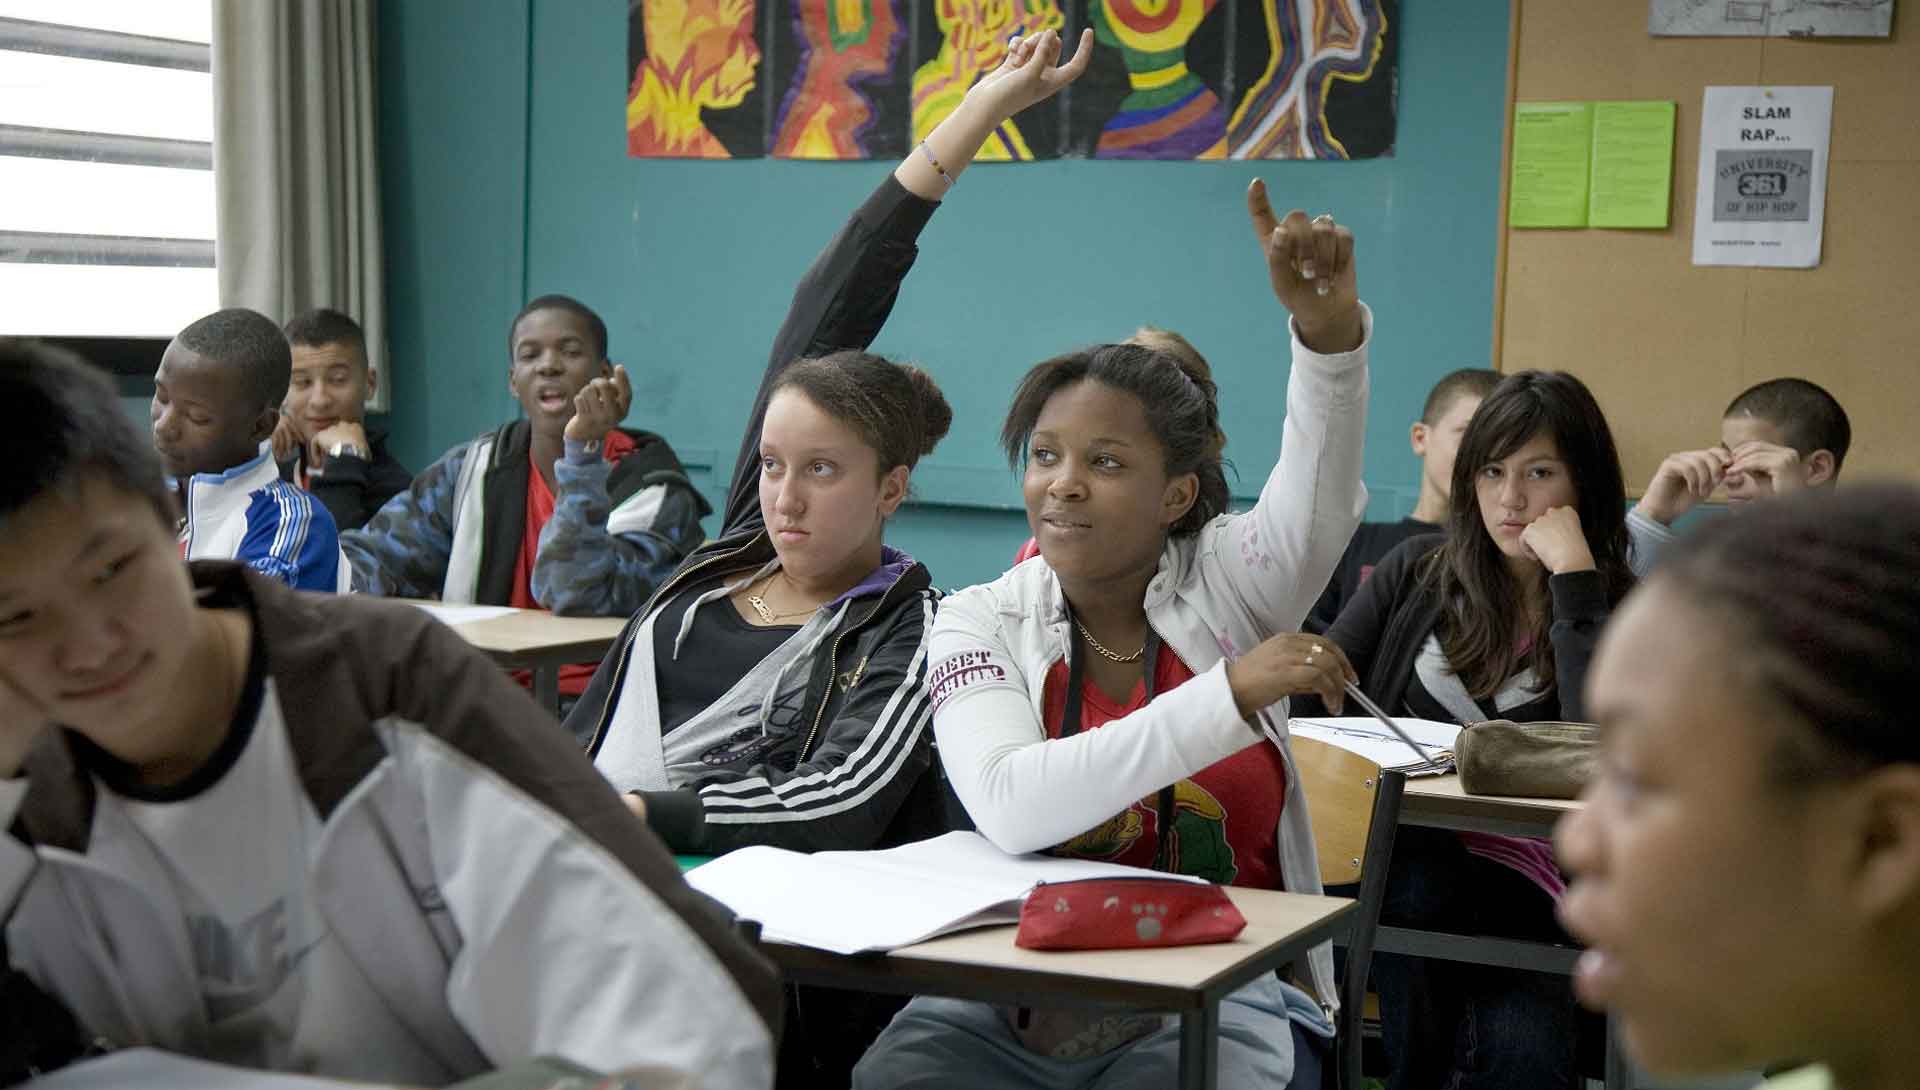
(533,639)
(984,964)
(1437,802)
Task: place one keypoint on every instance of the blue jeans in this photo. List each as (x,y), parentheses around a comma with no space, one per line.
(1272,1037)
(1448,1025)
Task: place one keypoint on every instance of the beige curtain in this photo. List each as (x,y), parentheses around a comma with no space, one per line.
(296,174)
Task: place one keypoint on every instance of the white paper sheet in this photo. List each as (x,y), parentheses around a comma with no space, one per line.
(152,1069)
(459,615)
(1369,738)
(850,902)
(1761,197)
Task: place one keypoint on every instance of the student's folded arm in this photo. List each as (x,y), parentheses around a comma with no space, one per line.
(343,489)
(1646,538)
(354,489)
(292,538)
(847,791)
(842,302)
(403,551)
(596,560)
(1580,611)
(1280,555)
(1025,791)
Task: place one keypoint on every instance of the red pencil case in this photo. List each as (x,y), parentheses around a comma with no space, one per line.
(1126,913)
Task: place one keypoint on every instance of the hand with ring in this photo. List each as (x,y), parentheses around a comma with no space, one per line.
(1287,665)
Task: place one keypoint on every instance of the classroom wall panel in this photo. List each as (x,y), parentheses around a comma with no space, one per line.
(1665,344)
(693,263)
(453,138)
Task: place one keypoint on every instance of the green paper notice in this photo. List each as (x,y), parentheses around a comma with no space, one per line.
(1632,164)
(1552,143)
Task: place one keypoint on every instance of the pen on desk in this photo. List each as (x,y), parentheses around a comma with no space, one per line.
(1374,710)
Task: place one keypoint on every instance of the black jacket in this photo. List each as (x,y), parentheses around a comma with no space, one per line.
(1383,627)
(871,673)
(352,489)
(1371,543)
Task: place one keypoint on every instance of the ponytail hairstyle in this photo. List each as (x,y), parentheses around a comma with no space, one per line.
(1482,605)
(1175,390)
(1819,595)
(895,408)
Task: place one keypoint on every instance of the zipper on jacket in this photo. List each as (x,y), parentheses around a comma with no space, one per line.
(620,672)
(833,670)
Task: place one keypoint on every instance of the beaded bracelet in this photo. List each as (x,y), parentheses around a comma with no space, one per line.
(937,168)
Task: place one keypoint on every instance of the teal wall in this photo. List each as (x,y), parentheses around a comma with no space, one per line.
(506,176)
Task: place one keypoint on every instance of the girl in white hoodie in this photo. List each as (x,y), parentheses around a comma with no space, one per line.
(1122,695)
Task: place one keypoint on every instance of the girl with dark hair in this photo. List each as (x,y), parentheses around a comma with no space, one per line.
(1495,619)
(1122,696)
(773,690)
(1747,864)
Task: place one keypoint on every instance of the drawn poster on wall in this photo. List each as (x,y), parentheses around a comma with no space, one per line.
(1762,193)
(1770,18)
(866,79)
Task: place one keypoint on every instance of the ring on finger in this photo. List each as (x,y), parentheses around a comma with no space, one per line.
(1324,217)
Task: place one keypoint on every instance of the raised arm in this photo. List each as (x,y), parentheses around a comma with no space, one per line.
(845,296)
(1279,556)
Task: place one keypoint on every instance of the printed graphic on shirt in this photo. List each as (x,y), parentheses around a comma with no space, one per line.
(243,966)
(960,671)
(753,740)
(1198,834)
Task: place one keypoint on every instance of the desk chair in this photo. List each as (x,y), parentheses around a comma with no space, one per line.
(1355,807)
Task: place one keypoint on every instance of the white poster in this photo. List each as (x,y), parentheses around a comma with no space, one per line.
(1771,18)
(1762,196)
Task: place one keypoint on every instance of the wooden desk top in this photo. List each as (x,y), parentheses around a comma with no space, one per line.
(985,964)
(1439,801)
(531,637)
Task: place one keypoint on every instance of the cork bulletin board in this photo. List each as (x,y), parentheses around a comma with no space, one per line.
(1665,344)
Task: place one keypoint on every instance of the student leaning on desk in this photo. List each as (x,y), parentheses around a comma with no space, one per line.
(1747,863)
(309,833)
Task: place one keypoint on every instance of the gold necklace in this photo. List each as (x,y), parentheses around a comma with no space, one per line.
(766,612)
(1101,648)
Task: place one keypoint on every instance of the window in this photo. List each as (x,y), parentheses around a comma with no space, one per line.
(106,163)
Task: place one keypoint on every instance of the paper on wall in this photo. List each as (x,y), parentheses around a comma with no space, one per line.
(1762,191)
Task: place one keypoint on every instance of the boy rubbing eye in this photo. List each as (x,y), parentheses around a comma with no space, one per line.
(1776,438)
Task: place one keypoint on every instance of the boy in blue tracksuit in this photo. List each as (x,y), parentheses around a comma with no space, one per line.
(216,399)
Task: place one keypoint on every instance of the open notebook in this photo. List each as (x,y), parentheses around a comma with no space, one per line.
(852,902)
(1370,738)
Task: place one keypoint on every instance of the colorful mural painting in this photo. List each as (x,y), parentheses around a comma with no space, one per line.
(865,79)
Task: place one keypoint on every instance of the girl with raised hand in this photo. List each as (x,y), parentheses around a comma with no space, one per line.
(1495,619)
(773,691)
(1746,867)
(1122,697)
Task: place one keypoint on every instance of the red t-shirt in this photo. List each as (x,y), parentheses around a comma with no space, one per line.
(1226,819)
(573,677)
